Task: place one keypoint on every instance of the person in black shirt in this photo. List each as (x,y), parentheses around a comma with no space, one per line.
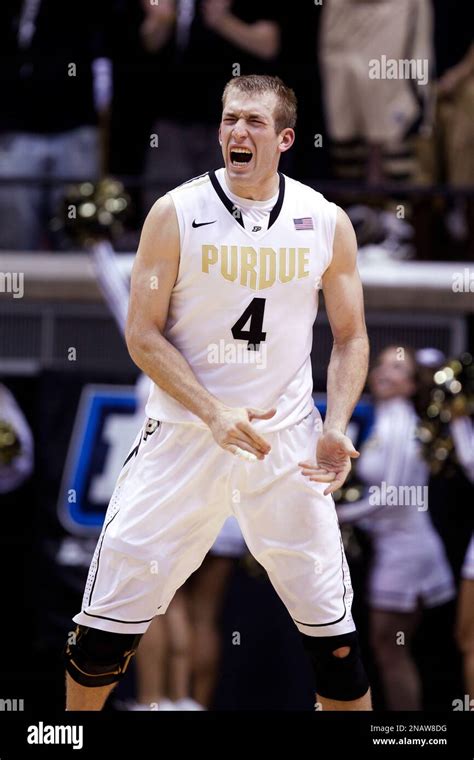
(48,122)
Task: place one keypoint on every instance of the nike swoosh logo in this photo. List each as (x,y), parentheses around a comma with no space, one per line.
(201,224)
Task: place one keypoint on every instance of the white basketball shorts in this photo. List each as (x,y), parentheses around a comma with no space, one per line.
(176,489)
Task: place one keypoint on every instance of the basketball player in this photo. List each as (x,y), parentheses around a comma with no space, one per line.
(224,294)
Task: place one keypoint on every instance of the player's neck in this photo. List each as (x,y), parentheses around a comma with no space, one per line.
(261,191)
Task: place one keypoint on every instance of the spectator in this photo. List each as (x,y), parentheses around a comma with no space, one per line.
(409,570)
(446,149)
(370,111)
(140,46)
(48,122)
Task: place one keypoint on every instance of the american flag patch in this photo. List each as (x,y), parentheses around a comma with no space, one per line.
(305,223)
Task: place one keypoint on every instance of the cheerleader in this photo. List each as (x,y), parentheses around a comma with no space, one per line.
(409,569)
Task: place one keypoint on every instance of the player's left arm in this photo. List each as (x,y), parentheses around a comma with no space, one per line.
(347,369)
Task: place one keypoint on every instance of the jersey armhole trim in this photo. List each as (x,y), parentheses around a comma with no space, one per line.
(331,224)
(181,227)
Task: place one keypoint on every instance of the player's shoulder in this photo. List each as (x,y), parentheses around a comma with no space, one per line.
(300,189)
(193,184)
(181,193)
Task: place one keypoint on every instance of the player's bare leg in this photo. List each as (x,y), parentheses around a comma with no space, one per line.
(398,671)
(84,697)
(95,662)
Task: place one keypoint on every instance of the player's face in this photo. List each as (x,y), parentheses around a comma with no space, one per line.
(250,145)
(392,376)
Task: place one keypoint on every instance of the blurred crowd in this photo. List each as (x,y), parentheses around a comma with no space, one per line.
(133,88)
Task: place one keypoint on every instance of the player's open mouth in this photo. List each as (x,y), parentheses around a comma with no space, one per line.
(240,156)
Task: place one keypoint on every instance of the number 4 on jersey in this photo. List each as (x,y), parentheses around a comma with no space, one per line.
(254,335)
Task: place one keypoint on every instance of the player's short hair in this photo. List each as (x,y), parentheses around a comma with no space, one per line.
(285,109)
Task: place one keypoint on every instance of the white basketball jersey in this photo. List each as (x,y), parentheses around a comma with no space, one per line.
(245,300)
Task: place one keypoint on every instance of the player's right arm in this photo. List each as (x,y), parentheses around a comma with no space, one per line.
(153,277)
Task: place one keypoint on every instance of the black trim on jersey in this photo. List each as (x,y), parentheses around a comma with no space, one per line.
(198,176)
(225,200)
(333,622)
(231,208)
(133,452)
(104,617)
(98,556)
(116,620)
(275,212)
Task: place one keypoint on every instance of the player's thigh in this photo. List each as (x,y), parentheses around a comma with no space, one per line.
(166,510)
(175,490)
(291,528)
(300,546)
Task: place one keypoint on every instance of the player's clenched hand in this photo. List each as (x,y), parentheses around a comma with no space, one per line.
(334,452)
(232,429)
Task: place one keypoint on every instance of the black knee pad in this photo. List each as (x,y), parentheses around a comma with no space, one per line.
(340,678)
(99,658)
